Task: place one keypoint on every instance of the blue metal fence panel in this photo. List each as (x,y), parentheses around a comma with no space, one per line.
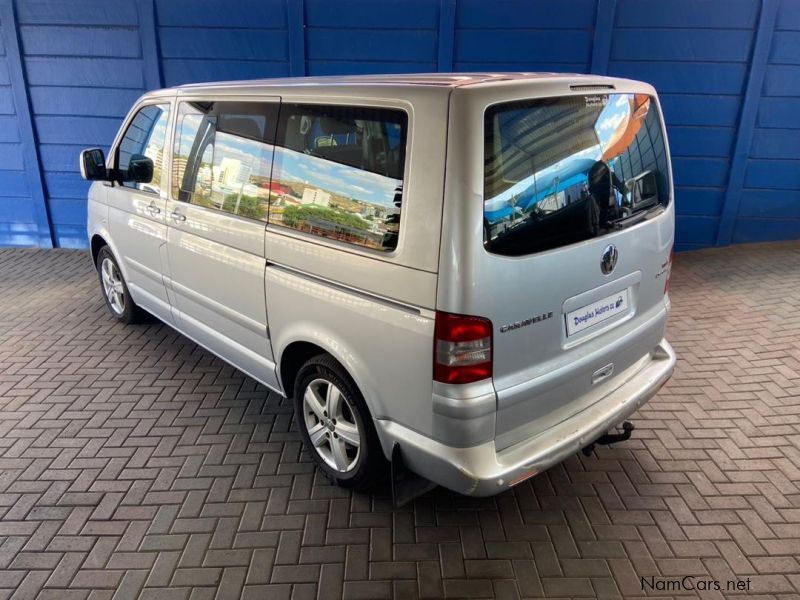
(524,35)
(696,54)
(368,36)
(84,69)
(26,221)
(83,63)
(770,199)
(208,40)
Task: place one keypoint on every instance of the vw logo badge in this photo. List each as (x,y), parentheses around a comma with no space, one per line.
(609,259)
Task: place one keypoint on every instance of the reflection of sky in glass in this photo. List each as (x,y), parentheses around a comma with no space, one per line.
(146,132)
(346,181)
(159,131)
(188,131)
(251,153)
(188,127)
(228,144)
(574,163)
(614,114)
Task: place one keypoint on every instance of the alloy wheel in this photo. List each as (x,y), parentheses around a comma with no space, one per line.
(112,286)
(332,427)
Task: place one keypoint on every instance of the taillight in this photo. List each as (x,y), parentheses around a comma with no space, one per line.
(669,271)
(462,348)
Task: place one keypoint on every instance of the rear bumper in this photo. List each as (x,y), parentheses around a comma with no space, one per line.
(482,471)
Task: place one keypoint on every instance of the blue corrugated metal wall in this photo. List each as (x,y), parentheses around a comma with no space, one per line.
(728,72)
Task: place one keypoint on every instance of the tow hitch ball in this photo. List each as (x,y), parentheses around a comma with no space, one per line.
(611,438)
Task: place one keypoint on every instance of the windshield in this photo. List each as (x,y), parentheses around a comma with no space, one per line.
(562,170)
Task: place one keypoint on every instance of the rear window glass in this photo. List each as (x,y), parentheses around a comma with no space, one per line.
(562,170)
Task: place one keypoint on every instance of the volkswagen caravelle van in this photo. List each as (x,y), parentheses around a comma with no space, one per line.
(467,272)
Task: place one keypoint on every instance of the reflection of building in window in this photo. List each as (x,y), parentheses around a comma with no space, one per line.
(228,172)
(178,169)
(156,154)
(341,232)
(315,196)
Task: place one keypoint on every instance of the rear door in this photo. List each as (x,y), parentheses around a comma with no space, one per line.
(217,214)
(577,233)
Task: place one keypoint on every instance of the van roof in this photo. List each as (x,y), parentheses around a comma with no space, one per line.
(410,79)
(440,80)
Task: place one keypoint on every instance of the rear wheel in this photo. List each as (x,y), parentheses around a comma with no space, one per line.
(336,426)
(115,291)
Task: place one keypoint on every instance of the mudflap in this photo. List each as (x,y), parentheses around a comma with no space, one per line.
(406,485)
(611,438)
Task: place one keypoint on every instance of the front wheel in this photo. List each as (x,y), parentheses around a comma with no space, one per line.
(335,425)
(115,290)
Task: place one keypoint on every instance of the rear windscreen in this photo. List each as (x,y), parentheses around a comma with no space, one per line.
(562,170)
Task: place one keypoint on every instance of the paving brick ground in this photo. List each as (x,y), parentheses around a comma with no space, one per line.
(134,464)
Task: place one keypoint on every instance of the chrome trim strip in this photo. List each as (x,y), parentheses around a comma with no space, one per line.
(346,289)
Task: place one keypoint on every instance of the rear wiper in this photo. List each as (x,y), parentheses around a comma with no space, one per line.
(637,217)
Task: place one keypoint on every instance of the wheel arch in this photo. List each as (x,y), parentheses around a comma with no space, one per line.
(102,238)
(299,349)
(97,242)
(293,357)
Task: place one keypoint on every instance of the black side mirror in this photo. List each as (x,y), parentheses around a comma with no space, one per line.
(93,165)
(140,169)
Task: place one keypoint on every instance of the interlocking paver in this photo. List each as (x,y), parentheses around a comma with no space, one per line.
(134,463)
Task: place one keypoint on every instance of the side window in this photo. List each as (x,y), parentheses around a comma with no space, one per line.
(223,155)
(145,137)
(338,173)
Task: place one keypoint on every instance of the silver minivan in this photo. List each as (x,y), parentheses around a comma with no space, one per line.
(461,274)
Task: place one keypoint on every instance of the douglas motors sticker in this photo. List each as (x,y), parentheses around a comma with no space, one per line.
(599,311)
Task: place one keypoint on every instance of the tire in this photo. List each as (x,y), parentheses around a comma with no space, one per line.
(115,290)
(334,424)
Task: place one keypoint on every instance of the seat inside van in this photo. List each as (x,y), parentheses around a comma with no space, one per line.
(347,139)
(340,141)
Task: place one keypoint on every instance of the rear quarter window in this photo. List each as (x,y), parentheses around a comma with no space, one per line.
(561,170)
(338,173)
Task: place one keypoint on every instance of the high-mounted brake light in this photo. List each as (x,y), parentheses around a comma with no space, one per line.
(462,348)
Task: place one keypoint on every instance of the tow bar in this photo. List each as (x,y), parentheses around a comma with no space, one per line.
(611,438)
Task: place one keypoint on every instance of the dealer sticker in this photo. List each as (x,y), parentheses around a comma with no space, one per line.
(597,312)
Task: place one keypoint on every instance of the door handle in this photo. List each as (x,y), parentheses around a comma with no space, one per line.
(153,209)
(177,216)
